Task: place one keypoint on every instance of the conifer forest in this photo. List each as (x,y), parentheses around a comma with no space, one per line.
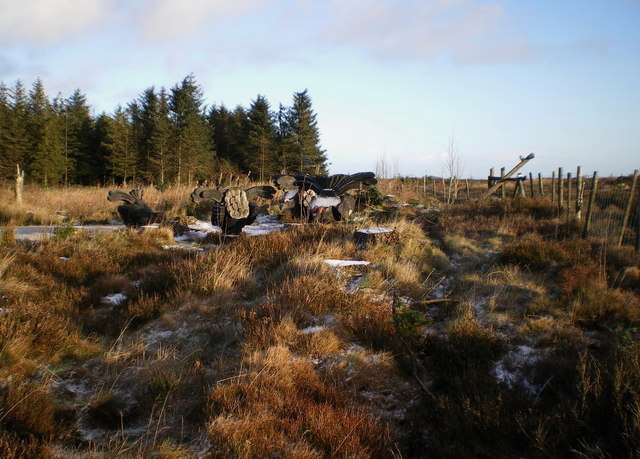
(163,137)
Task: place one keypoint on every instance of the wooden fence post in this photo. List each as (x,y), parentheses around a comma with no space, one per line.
(466,181)
(553,186)
(540,188)
(503,189)
(592,200)
(19,185)
(560,191)
(490,180)
(579,193)
(568,194)
(531,183)
(627,209)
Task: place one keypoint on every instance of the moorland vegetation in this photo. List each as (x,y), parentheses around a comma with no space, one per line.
(483,329)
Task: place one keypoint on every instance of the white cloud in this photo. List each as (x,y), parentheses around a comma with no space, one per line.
(47,21)
(173,19)
(465,30)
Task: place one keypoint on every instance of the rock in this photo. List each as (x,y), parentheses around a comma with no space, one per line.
(366,236)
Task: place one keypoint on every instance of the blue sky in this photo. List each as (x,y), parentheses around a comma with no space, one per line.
(395,78)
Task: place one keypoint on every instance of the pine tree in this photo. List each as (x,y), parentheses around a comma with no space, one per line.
(159,138)
(193,148)
(46,158)
(84,165)
(303,152)
(119,143)
(15,143)
(260,146)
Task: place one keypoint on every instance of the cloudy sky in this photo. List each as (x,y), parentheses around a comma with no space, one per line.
(399,79)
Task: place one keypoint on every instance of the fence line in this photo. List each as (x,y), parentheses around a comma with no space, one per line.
(605,209)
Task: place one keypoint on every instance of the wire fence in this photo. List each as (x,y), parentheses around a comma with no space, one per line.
(603,209)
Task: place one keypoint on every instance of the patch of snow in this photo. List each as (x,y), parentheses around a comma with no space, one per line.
(509,369)
(268,218)
(353,347)
(344,263)
(207,227)
(64,258)
(114,299)
(156,226)
(3,312)
(182,247)
(309,330)
(262,229)
(355,283)
(375,230)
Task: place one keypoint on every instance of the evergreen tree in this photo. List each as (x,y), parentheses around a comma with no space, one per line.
(84,165)
(159,137)
(283,139)
(46,158)
(193,149)
(6,163)
(15,143)
(143,119)
(261,135)
(119,143)
(137,126)
(303,152)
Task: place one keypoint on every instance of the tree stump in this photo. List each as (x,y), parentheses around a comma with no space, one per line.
(366,237)
(19,184)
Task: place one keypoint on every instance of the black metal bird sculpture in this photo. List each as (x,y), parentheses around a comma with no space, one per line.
(295,199)
(331,191)
(232,207)
(134,212)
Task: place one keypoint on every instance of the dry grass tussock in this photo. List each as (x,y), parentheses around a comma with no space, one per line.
(280,406)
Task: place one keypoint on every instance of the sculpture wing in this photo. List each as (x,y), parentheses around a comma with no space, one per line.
(263,191)
(117,195)
(137,194)
(201,194)
(343,183)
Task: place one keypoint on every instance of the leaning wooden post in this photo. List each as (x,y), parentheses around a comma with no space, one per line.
(504,184)
(592,200)
(627,209)
(553,186)
(579,193)
(19,184)
(560,190)
(522,162)
(531,183)
(540,188)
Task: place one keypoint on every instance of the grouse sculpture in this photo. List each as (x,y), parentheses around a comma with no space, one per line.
(295,199)
(134,212)
(331,191)
(232,207)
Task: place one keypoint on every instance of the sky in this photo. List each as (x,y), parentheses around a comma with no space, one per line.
(396,82)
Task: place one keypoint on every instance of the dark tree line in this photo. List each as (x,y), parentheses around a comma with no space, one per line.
(162,137)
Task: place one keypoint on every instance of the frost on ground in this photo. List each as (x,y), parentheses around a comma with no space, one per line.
(345,263)
(262,229)
(375,230)
(114,299)
(510,369)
